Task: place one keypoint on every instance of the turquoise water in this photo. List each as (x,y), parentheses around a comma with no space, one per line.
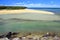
(29,22)
(18,26)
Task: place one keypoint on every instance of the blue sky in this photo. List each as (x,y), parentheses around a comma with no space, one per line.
(31,3)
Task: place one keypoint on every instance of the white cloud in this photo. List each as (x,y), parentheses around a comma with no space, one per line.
(34,5)
(19,3)
(42,5)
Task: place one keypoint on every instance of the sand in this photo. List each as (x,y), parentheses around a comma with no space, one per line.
(24,11)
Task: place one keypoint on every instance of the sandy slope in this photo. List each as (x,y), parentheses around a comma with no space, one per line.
(24,11)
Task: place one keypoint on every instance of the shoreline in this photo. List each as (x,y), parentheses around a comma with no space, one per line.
(24,11)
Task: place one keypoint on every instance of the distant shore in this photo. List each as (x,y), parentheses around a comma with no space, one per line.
(6,11)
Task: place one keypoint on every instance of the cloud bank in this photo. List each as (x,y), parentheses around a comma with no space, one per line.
(33,4)
(36,5)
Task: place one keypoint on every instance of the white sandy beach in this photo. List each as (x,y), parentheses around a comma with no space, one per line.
(24,11)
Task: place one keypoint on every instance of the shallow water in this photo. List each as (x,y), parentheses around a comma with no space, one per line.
(29,26)
(29,22)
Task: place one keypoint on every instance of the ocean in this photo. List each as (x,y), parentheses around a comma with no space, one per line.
(55,10)
(19,23)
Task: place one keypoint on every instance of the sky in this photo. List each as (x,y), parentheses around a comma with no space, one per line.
(31,3)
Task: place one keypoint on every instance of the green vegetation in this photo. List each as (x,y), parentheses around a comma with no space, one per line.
(12,7)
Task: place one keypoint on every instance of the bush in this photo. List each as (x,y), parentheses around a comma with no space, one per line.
(12,7)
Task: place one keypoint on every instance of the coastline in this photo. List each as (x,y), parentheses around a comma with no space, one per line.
(24,11)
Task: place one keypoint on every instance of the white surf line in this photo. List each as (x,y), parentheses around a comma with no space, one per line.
(40,11)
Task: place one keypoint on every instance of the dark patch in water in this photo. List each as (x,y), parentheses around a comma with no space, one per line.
(2,23)
(56,21)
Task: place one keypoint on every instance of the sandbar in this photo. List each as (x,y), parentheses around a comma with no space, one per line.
(24,11)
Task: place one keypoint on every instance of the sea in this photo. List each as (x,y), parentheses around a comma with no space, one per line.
(55,10)
(21,25)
